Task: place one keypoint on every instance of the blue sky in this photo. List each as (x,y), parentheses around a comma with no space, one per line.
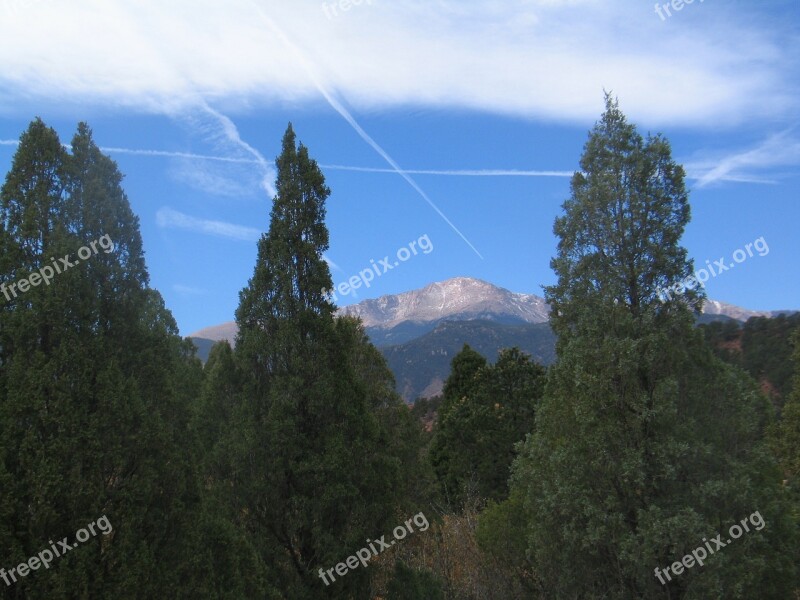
(457,120)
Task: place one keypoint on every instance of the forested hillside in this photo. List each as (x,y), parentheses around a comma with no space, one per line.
(762,347)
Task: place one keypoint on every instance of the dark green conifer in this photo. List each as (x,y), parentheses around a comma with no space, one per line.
(645,443)
(319,475)
(95,382)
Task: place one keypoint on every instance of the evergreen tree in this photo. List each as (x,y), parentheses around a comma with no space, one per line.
(644,443)
(484,416)
(315,477)
(762,346)
(95,382)
(463,369)
(501,534)
(235,569)
(449,464)
(767,352)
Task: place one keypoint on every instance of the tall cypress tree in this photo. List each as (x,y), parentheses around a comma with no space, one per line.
(315,480)
(31,201)
(95,381)
(645,443)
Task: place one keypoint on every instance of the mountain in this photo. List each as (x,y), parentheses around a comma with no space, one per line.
(715,307)
(419,331)
(399,318)
(395,319)
(217,333)
(203,346)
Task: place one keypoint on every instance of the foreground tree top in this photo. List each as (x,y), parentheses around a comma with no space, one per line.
(621,228)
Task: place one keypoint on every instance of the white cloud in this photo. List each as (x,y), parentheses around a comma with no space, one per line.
(332,264)
(223,132)
(748,166)
(194,170)
(710,64)
(186,290)
(756,166)
(168,218)
(204,177)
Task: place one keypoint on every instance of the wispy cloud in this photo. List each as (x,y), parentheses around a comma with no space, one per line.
(738,167)
(534,58)
(210,179)
(193,169)
(168,218)
(161,154)
(223,129)
(754,165)
(357,169)
(332,264)
(186,290)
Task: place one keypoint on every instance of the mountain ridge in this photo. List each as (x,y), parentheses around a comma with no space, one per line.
(397,318)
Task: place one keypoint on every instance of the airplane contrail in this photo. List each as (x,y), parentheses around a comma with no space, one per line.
(169,154)
(457,172)
(158,153)
(339,107)
(694,173)
(262,161)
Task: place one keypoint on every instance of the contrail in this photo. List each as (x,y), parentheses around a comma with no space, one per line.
(169,154)
(169,218)
(778,149)
(158,153)
(693,173)
(338,107)
(261,161)
(457,172)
